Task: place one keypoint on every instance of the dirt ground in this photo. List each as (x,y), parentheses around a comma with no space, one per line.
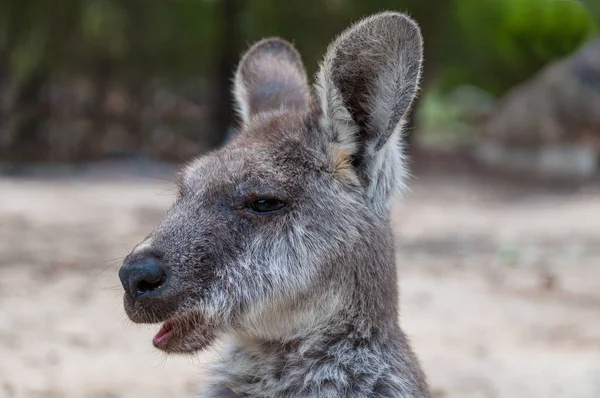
(500,287)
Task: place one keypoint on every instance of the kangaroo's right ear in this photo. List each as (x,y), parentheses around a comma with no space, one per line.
(270,76)
(366,84)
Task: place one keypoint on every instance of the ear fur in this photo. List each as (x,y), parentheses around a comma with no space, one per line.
(366,84)
(270,76)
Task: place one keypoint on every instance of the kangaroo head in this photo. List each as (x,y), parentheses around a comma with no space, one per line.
(287,225)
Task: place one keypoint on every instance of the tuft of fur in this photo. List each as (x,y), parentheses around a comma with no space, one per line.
(306,296)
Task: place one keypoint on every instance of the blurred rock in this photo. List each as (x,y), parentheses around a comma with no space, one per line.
(549,125)
(473,103)
(567,161)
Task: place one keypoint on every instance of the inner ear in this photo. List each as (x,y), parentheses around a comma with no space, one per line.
(270,76)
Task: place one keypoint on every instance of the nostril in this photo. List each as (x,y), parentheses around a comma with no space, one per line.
(149,284)
(142,276)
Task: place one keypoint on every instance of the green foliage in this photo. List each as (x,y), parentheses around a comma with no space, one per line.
(34,35)
(171,39)
(103,28)
(499,43)
(490,43)
(174,38)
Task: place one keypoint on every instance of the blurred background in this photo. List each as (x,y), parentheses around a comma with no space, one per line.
(498,241)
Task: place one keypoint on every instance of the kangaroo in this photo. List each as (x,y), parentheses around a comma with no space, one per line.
(279,244)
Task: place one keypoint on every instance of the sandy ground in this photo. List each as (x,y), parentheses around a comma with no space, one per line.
(500,288)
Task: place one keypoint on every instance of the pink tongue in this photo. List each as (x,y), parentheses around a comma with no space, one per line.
(163,334)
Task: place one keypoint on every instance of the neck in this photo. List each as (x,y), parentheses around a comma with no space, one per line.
(343,342)
(344,354)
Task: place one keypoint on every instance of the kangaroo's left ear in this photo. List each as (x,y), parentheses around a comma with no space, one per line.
(270,77)
(366,84)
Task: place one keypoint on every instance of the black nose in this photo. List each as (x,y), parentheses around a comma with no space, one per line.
(143,275)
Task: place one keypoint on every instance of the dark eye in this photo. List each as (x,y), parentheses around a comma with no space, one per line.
(265,205)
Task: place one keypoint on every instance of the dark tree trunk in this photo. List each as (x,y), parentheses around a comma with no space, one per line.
(29,144)
(7,100)
(102,73)
(229,52)
(4,83)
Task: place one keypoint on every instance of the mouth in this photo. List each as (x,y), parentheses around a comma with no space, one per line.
(165,333)
(183,331)
(183,334)
(175,332)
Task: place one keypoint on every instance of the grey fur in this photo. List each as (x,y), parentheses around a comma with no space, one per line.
(305,298)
